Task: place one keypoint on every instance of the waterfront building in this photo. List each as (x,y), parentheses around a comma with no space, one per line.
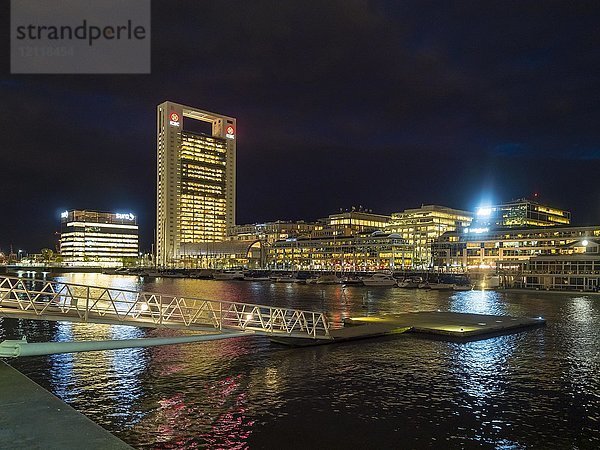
(270,232)
(420,227)
(249,254)
(354,221)
(341,252)
(576,268)
(195,179)
(490,249)
(93,238)
(520,213)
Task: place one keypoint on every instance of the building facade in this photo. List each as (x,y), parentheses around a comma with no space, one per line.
(420,227)
(494,249)
(270,232)
(195,179)
(341,252)
(357,221)
(521,213)
(576,268)
(93,238)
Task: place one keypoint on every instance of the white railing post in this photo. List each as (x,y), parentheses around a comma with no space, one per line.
(220,316)
(160,309)
(87,304)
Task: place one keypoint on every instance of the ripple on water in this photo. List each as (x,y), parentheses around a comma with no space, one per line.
(540,388)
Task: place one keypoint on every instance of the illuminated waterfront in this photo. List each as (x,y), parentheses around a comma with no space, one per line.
(539,388)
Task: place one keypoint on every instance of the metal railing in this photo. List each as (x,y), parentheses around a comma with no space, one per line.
(30,298)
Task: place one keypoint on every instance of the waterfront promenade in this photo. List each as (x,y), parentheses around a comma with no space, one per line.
(33,418)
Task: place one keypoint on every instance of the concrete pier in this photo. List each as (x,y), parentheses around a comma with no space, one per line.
(33,418)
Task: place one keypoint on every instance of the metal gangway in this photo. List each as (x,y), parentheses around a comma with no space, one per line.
(30,298)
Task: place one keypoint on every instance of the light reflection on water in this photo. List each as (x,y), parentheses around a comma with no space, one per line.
(538,389)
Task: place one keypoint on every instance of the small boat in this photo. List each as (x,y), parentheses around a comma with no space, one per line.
(284,279)
(379,279)
(462,287)
(328,279)
(441,286)
(256,275)
(352,281)
(171,274)
(154,273)
(256,278)
(229,275)
(411,283)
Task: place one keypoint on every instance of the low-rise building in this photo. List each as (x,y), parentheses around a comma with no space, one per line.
(271,231)
(489,249)
(355,221)
(342,252)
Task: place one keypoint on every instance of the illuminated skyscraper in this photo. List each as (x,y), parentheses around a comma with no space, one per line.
(195,180)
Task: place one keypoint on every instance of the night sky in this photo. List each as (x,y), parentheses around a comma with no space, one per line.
(388,105)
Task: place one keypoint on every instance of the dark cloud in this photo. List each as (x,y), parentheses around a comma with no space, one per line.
(339,103)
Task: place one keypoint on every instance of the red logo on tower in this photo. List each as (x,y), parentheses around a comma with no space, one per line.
(230,132)
(174,119)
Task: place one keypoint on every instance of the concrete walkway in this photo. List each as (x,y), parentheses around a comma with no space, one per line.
(33,418)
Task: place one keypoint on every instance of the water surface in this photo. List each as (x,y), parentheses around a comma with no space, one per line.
(535,389)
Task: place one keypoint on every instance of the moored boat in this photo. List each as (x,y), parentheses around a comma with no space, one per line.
(379,279)
(462,287)
(410,282)
(441,286)
(328,279)
(229,275)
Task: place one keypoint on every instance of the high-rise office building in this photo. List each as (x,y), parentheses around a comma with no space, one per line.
(95,238)
(195,180)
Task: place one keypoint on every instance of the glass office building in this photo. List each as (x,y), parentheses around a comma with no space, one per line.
(93,238)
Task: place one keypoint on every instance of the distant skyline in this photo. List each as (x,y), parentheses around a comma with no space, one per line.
(388,105)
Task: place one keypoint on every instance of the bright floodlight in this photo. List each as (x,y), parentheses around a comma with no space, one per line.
(585,243)
(484,211)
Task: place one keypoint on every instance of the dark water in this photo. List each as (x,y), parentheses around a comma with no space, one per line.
(536,389)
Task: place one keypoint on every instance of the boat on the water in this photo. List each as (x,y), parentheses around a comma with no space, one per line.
(379,279)
(462,287)
(328,279)
(352,281)
(410,282)
(441,286)
(256,278)
(229,275)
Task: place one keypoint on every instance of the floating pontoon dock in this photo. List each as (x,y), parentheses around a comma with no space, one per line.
(441,324)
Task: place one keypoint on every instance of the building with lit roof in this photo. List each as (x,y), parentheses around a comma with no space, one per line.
(93,238)
(420,227)
(355,221)
(520,213)
(486,249)
(195,179)
(341,252)
(270,232)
